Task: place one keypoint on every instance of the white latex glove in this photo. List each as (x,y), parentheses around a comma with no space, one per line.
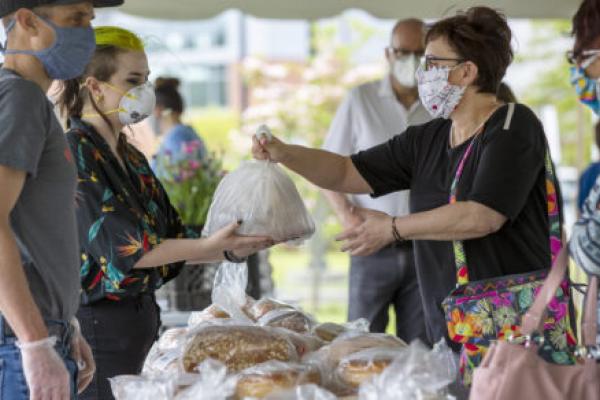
(82,354)
(45,372)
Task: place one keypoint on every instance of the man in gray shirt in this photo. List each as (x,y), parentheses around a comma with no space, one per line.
(41,348)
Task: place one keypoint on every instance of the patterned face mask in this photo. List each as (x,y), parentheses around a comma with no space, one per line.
(586,88)
(439,97)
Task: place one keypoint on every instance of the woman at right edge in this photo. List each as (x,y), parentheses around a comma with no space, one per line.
(500,210)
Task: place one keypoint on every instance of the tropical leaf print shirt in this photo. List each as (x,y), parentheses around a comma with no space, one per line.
(121,215)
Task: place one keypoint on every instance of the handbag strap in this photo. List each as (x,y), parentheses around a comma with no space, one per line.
(460,256)
(534,318)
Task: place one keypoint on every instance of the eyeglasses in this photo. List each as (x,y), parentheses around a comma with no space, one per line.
(587,57)
(432,61)
(400,52)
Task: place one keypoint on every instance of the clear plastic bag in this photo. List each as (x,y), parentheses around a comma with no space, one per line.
(303,392)
(329,331)
(209,314)
(274,376)
(229,291)
(267,304)
(264,198)
(416,373)
(165,354)
(291,319)
(237,346)
(359,367)
(213,383)
(305,344)
(133,387)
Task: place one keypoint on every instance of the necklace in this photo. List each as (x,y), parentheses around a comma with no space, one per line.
(477,131)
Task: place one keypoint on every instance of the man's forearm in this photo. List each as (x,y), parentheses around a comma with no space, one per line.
(16,301)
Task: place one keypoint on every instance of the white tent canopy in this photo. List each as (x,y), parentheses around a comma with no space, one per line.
(315,9)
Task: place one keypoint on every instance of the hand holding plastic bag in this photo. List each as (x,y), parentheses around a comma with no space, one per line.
(260,194)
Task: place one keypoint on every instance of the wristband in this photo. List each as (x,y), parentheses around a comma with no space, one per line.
(395,232)
(229,256)
(50,341)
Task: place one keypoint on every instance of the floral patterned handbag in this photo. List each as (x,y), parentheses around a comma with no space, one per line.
(480,312)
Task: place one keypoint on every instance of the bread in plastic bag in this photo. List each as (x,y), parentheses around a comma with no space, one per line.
(264,198)
(229,291)
(359,367)
(274,376)
(353,342)
(133,387)
(165,354)
(329,331)
(237,346)
(212,383)
(291,319)
(304,344)
(416,373)
(303,392)
(210,313)
(265,305)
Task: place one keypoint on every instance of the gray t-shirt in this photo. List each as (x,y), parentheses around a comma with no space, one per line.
(43,219)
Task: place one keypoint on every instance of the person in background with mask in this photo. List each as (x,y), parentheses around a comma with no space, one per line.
(41,347)
(177,141)
(372,114)
(132,240)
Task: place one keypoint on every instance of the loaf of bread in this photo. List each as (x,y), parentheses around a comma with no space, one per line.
(348,344)
(287,318)
(355,372)
(269,378)
(265,305)
(238,347)
(328,331)
(303,343)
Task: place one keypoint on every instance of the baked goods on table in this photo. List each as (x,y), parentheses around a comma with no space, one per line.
(291,319)
(274,376)
(328,331)
(265,305)
(363,365)
(238,347)
(351,343)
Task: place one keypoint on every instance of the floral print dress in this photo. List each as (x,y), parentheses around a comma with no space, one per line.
(122,214)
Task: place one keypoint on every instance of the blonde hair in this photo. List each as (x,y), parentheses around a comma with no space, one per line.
(118,37)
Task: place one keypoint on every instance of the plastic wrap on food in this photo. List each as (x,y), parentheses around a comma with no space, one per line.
(260,194)
(291,319)
(133,387)
(274,376)
(237,346)
(212,383)
(329,331)
(229,291)
(165,354)
(303,392)
(416,373)
(304,343)
(210,313)
(265,305)
(359,367)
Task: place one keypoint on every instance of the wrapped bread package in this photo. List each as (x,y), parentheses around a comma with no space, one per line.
(264,198)
(266,305)
(165,354)
(329,331)
(274,376)
(237,346)
(304,344)
(291,319)
(359,367)
(416,373)
(350,343)
(212,383)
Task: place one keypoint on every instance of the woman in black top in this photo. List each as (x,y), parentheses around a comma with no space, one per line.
(500,211)
(132,239)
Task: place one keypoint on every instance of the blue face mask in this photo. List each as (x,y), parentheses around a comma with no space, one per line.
(586,88)
(68,56)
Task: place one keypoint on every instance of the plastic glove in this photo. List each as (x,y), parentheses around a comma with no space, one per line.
(83,356)
(45,372)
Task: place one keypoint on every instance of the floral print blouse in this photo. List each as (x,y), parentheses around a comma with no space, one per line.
(121,215)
